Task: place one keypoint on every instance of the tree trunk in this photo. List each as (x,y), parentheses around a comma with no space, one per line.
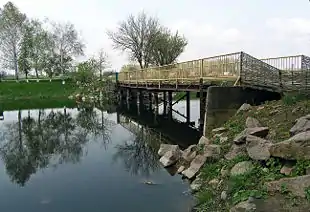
(15,62)
(62,69)
(37,75)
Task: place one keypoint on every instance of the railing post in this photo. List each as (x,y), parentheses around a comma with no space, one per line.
(241,67)
(201,68)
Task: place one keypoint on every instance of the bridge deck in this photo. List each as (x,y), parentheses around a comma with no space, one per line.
(269,74)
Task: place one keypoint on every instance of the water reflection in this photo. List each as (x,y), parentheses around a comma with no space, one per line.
(139,155)
(48,139)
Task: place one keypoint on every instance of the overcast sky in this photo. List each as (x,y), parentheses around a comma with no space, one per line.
(262,28)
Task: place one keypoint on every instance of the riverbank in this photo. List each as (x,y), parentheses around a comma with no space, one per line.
(267,169)
(259,160)
(36,90)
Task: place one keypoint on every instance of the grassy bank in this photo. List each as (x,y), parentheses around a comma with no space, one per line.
(35,90)
(215,177)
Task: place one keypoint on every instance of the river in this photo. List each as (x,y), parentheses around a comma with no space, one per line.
(83,159)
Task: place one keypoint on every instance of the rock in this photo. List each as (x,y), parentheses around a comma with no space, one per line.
(212,151)
(223,140)
(204,141)
(252,122)
(260,108)
(190,153)
(219,130)
(261,132)
(223,195)
(245,206)
(170,158)
(258,148)
(296,109)
(273,112)
(302,125)
(295,185)
(167,147)
(242,168)
(195,166)
(295,148)
(181,169)
(224,172)
(287,169)
(214,182)
(196,184)
(243,108)
(236,150)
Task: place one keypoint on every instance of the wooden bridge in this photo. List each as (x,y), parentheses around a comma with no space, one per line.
(275,74)
(282,74)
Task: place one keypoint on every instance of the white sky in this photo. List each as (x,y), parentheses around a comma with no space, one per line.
(262,28)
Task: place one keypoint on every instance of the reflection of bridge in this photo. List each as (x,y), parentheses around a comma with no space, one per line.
(158,127)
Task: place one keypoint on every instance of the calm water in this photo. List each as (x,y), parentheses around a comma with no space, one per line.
(83,160)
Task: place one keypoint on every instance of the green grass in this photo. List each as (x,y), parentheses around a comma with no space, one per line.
(35,90)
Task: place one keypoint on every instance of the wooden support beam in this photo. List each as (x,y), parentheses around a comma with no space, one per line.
(188,107)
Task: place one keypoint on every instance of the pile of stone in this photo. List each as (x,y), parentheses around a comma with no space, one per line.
(252,142)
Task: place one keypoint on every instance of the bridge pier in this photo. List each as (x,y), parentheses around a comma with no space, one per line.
(188,107)
(170,104)
(165,102)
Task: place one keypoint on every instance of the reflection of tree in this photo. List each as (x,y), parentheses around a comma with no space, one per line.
(140,155)
(54,138)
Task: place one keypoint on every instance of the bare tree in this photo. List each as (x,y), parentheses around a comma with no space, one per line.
(67,42)
(135,35)
(101,62)
(11,33)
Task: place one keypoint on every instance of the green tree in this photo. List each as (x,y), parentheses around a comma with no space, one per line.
(85,71)
(67,43)
(11,34)
(25,52)
(42,46)
(167,47)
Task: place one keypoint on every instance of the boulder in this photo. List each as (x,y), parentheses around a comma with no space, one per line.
(295,185)
(223,140)
(235,150)
(219,130)
(170,158)
(196,184)
(302,125)
(212,151)
(243,108)
(214,183)
(245,206)
(190,153)
(195,166)
(167,147)
(252,122)
(258,148)
(295,148)
(287,169)
(180,169)
(261,132)
(223,195)
(242,168)
(204,141)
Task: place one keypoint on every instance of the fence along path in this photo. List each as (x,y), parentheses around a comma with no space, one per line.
(276,74)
